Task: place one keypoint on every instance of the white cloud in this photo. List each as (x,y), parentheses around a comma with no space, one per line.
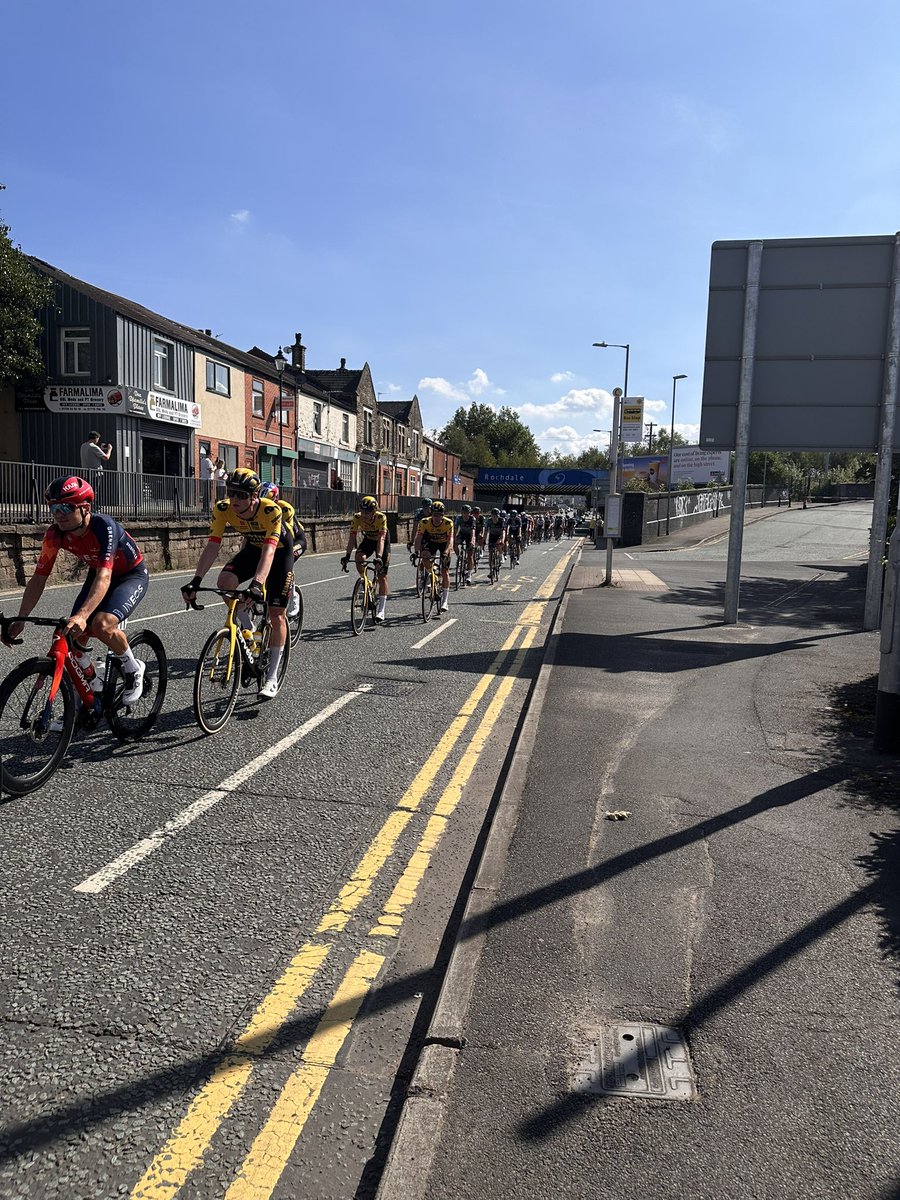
(567,440)
(656,406)
(562,377)
(478,385)
(240,218)
(584,401)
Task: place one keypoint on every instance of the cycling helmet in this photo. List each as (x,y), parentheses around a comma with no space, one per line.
(426,503)
(437,506)
(70,489)
(495,512)
(369,502)
(477,510)
(467,508)
(268,491)
(245,479)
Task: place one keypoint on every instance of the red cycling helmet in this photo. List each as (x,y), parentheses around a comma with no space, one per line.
(70,489)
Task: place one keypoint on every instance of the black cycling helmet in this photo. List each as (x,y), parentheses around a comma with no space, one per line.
(495,512)
(467,508)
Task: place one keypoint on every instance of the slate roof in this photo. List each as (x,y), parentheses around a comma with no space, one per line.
(257,360)
(400,410)
(341,385)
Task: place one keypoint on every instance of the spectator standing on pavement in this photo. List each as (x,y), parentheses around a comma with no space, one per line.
(207,475)
(221,478)
(95,453)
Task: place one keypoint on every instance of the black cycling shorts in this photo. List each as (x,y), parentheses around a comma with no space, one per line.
(368,546)
(280,579)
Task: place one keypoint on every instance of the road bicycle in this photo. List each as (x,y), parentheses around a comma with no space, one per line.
(495,558)
(459,574)
(44,700)
(431,588)
(235,656)
(364,597)
(476,557)
(514,551)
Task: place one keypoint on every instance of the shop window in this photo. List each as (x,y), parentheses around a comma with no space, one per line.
(76,352)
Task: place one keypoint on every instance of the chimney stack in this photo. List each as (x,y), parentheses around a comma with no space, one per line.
(343,364)
(298,354)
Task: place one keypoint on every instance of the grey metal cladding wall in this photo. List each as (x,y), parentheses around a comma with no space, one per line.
(137,358)
(75,308)
(822,327)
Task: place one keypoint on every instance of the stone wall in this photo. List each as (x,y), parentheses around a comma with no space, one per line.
(167,546)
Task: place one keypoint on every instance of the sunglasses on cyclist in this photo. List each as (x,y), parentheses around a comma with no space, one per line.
(238,494)
(62,508)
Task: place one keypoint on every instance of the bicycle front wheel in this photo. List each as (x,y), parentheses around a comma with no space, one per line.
(429,597)
(34,733)
(215,685)
(295,622)
(459,575)
(134,720)
(359,603)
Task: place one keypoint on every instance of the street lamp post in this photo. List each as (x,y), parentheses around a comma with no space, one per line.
(675,379)
(614,446)
(280,364)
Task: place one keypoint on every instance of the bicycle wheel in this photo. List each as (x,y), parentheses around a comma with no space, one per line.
(359,604)
(134,720)
(215,690)
(459,575)
(429,596)
(295,623)
(34,734)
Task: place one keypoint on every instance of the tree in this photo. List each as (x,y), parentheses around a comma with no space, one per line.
(481,435)
(23,293)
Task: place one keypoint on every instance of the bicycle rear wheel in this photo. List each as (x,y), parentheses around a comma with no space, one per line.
(295,623)
(359,604)
(134,720)
(459,575)
(215,688)
(34,734)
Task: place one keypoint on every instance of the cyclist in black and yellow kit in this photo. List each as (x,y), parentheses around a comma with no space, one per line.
(435,535)
(266,558)
(371,526)
(269,491)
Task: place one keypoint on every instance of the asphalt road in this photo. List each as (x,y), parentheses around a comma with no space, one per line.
(215,949)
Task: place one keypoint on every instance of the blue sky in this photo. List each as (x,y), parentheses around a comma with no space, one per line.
(465,195)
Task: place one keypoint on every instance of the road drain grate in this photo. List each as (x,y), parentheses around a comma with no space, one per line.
(638,1059)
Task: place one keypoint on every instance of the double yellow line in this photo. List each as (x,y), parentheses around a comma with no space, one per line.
(273,1146)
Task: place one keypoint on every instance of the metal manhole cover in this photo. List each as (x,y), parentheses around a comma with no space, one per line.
(637,1059)
(379,686)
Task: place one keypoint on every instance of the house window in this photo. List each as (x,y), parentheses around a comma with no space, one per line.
(317,418)
(385,433)
(76,351)
(218,378)
(401,439)
(282,409)
(163,365)
(259,398)
(230,456)
(415,442)
(345,427)
(367,426)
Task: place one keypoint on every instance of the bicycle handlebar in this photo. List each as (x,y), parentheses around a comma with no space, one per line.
(58,623)
(226,594)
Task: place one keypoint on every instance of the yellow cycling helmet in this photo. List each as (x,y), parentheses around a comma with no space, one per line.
(244,479)
(437,506)
(369,502)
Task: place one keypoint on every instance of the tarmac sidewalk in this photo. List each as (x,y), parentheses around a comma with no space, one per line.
(677,970)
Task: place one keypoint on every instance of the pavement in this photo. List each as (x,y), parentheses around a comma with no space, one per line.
(676,973)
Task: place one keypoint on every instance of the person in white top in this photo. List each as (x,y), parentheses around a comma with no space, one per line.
(207,474)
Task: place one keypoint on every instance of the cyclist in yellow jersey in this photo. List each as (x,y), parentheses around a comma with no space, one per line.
(370,525)
(267,556)
(435,534)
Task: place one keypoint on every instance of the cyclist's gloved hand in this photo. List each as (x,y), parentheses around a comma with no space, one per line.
(13,629)
(413,558)
(256,592)
(344,562)
(189,590)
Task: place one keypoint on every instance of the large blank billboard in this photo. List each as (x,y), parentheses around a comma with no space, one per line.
(819,355)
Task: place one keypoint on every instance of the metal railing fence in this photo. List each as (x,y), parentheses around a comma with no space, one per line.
(134,496)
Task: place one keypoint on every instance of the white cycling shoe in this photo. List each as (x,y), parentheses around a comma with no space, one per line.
(134,684)
(269,690)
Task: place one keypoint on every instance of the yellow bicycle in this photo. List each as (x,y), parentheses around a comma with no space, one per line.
(364,598)
(431,585)
(234,655)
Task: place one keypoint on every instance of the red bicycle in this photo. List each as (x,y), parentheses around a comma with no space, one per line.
(42,700)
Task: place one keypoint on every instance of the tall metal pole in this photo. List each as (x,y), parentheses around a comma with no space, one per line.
(742,436)
(613,477)
(280,428)
(675,379)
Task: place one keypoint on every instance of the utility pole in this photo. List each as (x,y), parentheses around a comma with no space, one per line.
(651,425)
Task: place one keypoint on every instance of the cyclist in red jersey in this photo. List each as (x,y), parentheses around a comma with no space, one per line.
(116,582)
